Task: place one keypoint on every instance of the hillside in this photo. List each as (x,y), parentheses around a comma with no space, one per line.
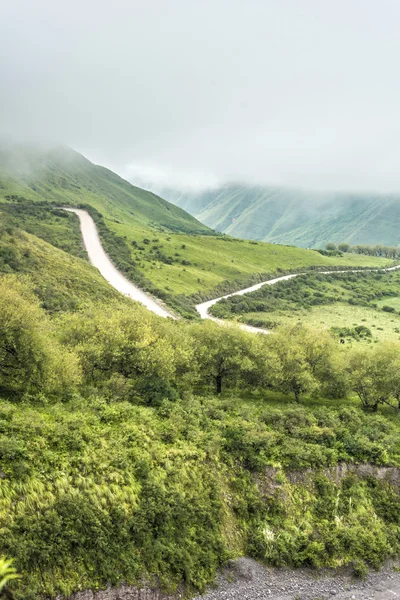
(61,282)
(155,244)
(63,175)
(113,440)
(286,216)
(157,450)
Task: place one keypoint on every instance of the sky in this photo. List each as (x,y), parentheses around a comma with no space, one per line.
(195,93)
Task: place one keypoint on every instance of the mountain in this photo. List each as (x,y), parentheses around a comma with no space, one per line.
(289,216)
(61,174)
(159,246)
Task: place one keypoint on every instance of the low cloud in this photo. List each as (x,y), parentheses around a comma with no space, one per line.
(299,93)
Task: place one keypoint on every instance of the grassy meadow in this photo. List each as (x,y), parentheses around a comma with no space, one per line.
(383,326)
(200,263)
(337,302)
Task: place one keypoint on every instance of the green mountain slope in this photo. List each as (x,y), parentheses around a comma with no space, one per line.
(296,217)
(60,281)
(155,244)
(63,175)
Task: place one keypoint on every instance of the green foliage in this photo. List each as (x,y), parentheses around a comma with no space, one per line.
(358,332)
(7,573)
(129,345)
(31,359)
(98,493)
(307,360)
(330,246)
(61,282)
(375,374)
(55,226)
(324,522)
(223,353)
(295,296)
(377,250)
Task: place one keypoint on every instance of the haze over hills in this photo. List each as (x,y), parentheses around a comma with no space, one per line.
(291,216)
(63,174)
(157,245)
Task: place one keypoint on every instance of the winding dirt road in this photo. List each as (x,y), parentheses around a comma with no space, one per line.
(101,261)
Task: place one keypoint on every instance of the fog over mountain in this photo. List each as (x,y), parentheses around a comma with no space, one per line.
(195,94)
(292,216)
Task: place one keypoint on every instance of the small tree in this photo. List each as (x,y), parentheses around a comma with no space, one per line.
(223,353)
(305,359)
(330,246)
(375,374)
(344,247)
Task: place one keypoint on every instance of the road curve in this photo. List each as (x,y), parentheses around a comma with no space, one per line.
(101,261)
(204,307)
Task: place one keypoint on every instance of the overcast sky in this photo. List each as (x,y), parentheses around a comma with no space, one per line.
(195,92)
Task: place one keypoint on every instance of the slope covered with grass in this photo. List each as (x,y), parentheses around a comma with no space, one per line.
(59,280)
(154,243)
(63,175)
(362,307)
(290,216)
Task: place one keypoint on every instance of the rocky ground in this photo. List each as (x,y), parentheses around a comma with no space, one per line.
(248,580)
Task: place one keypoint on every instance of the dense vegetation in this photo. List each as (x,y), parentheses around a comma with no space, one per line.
(377,250)
(135,448)
(58,227)
(290,216)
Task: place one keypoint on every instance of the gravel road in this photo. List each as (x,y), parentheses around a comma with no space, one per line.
(204,307)
(100,260)
(248,580)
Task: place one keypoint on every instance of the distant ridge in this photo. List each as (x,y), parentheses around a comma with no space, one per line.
(290,216)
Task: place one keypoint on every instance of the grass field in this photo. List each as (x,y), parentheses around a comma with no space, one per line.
(340,301)
(212,260)
(383,326)
(176,254)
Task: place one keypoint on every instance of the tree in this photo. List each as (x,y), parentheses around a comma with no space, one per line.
(128,345)
(375,374)
(305,358)
(330,246)
(223,353)
(31,359)
(344,247)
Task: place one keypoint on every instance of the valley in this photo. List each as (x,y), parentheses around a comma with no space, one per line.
(145,451)
(199,300)
(158,246)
